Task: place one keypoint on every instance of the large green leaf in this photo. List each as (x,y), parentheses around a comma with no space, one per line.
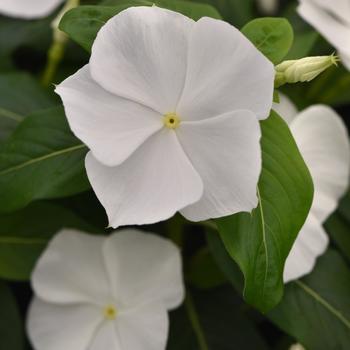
(237,12)
(11,328)
(260,241)
(42,159)
(272,36)
(24,235)
(316,309)
(217,322)
(20,95)
(83,23)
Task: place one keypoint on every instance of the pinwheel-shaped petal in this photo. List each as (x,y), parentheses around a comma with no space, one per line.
(94,293)
(323,142)
(28,9)
(169,108)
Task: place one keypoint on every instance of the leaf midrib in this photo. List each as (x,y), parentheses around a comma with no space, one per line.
(10,115)
(324,303)
(42,158)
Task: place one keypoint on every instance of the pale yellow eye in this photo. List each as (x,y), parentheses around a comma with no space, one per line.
(110,312)
(171,120)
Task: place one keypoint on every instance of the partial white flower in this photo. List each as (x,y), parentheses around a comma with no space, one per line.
(268,7)
(169,108)
(324,144)
(332,19)
(28,9)
(94,293)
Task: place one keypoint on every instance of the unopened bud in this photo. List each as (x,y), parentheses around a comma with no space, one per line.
(303,70)
(58,35)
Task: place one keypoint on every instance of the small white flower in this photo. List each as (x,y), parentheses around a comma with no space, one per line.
(324,144)
(332,19)
(28,9)
(96,293)
(169,108)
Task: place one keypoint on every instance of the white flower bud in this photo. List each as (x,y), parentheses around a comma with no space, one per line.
(303,70)
(297,347)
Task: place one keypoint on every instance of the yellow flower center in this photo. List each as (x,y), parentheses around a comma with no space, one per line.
(110,312)
(171,120)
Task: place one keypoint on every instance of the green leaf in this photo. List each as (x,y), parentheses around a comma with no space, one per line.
(20,95)
(25,234)
(11,328)
(236,12)
(316,309)
(217,319)
(42,159)
(260,241)
(83,23)
(272,36)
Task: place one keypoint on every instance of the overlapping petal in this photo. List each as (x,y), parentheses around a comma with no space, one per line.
(225,151)
(112,127)
(311,242)
(286,109)
(141,54)
(72,270)
(150,322)
(57,327)
(323,141)
(28,9)
(151,186)
(225,72)
(106,337)
(332,28)
(143,269)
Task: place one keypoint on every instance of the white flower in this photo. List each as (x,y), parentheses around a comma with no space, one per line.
(169,108)
(28,9)
(97,293)
(323,142)
(332,19)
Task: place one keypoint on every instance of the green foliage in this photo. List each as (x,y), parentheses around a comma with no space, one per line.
(23,236)
(11,328)
(260,241)
(272,36)
(314,310)
(42,159)
(83,23)
(20,95)
(218,320)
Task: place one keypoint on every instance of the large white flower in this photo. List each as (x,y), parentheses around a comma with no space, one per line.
(323,142)
(28,9)
(96,293)
(332,19)
(169,108)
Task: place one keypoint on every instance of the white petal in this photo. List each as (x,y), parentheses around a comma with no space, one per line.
(112,127)
(337,8)
(28,9)
(345,59)
(144,328)
(334,30)
(141,54)
(106,338)
(311,242)
(226,153)
(285,108)
(323,142)
(225,73)
(71,270)
(144,268)
(151,186)
(62,327)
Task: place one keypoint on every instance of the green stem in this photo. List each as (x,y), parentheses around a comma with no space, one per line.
(193,317)
(54,58)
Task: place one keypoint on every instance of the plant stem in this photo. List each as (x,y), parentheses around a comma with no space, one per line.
(193,317)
